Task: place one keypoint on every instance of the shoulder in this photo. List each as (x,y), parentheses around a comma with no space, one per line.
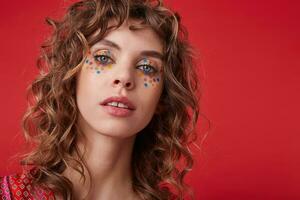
(19,186)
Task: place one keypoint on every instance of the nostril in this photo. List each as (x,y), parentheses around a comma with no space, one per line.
(116,81)
(127,85)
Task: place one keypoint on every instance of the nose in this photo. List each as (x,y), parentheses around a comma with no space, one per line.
(124,81)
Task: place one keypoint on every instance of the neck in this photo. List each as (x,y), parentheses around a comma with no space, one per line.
(108,160)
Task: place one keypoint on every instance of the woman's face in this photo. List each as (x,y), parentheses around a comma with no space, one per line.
(120,83)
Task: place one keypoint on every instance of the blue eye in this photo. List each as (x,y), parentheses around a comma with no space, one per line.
(147,69)
(103,59)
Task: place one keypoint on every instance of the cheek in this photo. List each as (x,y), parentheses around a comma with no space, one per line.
(150,82)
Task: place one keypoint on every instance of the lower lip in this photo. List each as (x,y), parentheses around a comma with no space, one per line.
(117,112)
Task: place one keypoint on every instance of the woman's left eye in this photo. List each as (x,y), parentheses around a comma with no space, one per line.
(103,59)
(147,69)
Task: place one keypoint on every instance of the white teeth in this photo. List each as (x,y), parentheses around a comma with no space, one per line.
(117,104)
(113,104)
(122,105)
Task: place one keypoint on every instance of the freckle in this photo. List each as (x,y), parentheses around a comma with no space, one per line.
(102,68)
(150,81)
(145,79)
(152,84)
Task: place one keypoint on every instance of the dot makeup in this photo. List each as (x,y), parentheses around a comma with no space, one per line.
(147,70)
(150,80)
(99,62)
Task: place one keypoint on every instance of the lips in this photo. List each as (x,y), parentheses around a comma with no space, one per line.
(123,100)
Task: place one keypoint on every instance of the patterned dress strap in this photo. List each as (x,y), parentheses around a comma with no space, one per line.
(4,188)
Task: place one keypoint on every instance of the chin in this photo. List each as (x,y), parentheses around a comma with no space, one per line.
(118,130)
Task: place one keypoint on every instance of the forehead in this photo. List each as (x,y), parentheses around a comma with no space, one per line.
(141,38)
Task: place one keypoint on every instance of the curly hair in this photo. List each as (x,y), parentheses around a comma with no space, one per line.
(161,159)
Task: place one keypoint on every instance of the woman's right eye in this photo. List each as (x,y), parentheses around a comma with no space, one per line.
(103,59)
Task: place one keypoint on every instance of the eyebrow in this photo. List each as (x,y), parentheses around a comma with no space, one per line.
(149,53)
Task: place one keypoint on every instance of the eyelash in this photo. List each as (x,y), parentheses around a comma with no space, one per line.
(154,70)
(98,59)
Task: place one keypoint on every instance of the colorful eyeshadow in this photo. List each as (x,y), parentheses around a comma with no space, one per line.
(103,52)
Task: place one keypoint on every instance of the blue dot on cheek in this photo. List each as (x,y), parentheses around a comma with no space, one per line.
(87,61)
(98,72)
(145,84)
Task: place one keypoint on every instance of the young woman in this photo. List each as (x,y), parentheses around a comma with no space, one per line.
(113,109)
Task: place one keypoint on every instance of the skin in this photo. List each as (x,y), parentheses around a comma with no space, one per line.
(110,139)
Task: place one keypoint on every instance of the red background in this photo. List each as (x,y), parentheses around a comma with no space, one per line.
(249,61)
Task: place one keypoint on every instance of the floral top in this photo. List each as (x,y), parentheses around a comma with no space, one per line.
(19,187)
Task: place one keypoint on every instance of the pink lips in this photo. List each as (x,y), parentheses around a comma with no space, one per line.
(116,111)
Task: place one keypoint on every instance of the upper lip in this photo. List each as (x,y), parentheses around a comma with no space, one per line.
(119,99)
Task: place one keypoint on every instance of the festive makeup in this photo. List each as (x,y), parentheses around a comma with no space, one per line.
(148,70)
(152,73)
(99,61)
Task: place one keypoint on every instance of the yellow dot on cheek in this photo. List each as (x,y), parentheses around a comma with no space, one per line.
(140,73)
(109,67)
